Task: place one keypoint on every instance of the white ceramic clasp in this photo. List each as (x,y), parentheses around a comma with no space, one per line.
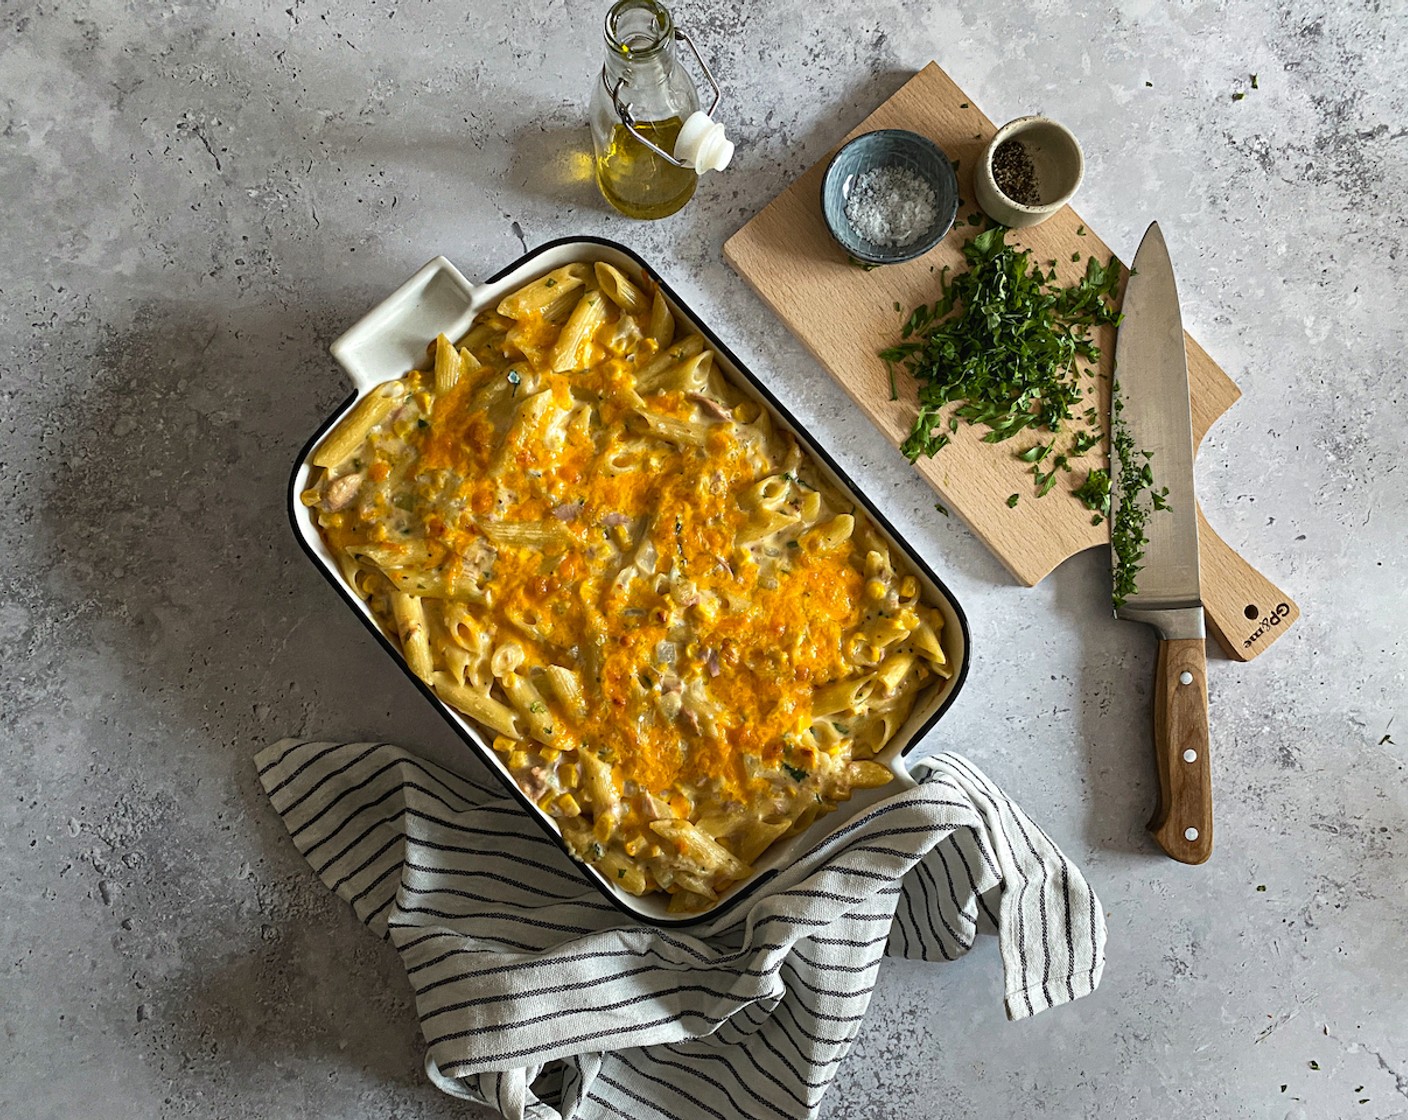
(702,143)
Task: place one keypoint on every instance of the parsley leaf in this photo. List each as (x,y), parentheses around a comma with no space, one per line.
(1095,491)
(796,773)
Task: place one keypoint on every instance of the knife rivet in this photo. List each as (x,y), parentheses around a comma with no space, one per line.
(1185,677)
(1190,755)
(1190,834)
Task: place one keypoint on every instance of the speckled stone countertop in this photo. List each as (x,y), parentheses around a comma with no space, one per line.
(197,198)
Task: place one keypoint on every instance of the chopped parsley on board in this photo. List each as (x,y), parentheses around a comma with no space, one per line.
(1008,344)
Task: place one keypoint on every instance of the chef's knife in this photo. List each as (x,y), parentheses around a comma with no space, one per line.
(1150,402)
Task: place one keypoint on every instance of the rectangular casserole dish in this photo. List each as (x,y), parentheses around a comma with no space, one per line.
(392,338)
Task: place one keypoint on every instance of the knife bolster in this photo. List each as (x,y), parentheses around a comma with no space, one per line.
(1172,623)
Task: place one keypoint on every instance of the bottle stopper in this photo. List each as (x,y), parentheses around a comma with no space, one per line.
(702,143)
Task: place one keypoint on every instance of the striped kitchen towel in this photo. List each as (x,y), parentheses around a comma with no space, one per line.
(540,1000)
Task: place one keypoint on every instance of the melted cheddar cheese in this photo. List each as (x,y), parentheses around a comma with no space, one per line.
(612,557)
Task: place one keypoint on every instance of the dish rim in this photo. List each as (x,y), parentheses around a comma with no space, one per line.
(613,895)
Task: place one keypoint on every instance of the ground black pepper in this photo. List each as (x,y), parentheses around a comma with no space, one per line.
(1014,173)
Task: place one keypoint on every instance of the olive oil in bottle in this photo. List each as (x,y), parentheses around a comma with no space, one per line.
(650,136)
(638,182)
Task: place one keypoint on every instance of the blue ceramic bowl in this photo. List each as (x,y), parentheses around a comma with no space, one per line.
(888,146)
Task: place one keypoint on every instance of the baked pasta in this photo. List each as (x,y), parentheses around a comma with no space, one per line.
(683,642)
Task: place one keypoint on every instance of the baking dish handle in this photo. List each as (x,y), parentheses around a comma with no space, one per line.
(391,337)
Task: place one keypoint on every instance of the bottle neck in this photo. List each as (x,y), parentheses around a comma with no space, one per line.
(640,43)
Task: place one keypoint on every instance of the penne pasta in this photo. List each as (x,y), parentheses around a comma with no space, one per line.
(541,293)
(682,350)
(711,857)
(532,709)
(892,672)
(469,364)
(688,433)
(438,584)
(619,290)
(410,624)
(833,534)
(477,705)
(598,784)
(688,375)
(662,321)
(566,685)
(352,430)
(447,365)
(849,695)
(682,640)
(767,493)
(525,534)
(581,325)
(414,553)
(764,523)
(867,775)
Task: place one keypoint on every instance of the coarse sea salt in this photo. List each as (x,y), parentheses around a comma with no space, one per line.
(890,205)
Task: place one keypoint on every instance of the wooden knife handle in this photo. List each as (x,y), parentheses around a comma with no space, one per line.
(1182,823)
(1245,611)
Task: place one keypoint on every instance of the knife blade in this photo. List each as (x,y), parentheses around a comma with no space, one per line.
(1151,469)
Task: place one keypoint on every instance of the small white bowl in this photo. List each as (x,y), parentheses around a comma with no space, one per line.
(1056,158)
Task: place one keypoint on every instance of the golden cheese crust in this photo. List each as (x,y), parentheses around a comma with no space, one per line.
(685,643)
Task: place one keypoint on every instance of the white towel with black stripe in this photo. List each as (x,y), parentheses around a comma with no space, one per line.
(542,1001)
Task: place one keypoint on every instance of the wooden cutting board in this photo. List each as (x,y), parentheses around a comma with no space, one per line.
(844,315)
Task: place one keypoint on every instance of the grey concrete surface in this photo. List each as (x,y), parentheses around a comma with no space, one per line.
(198,197)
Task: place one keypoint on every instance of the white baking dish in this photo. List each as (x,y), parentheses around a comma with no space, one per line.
(392,338)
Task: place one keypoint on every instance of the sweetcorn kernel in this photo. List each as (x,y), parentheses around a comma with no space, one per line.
(503,744)
(567,805)
(874,589)
(518,760)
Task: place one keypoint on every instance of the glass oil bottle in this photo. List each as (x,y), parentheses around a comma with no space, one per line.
(651,139)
